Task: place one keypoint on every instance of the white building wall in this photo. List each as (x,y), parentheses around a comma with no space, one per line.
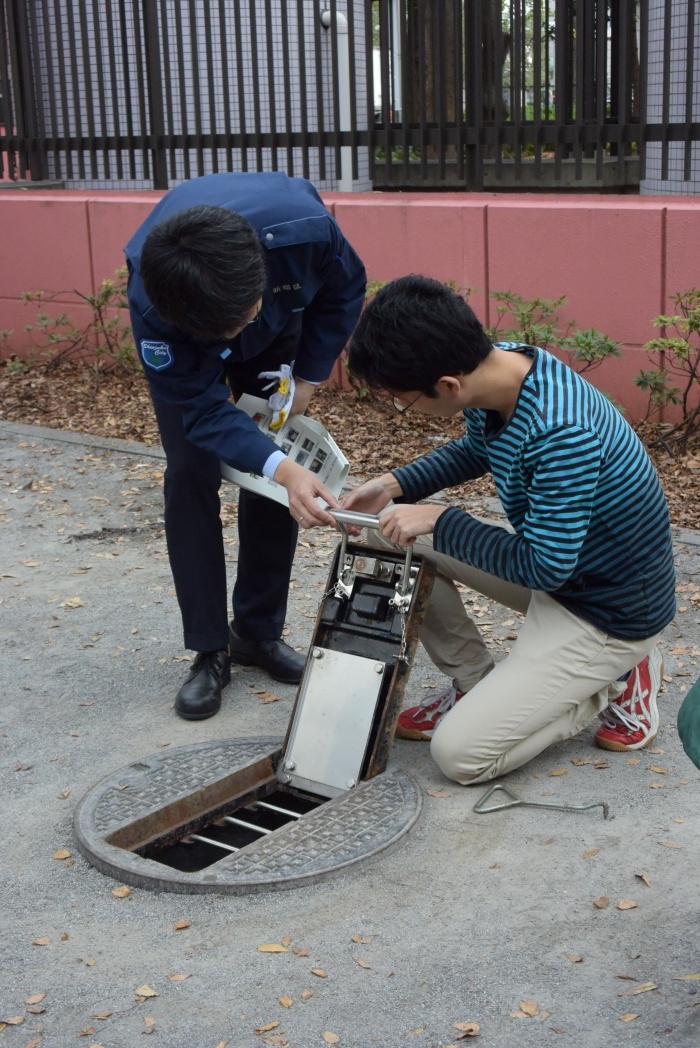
(675,183)
(219,73)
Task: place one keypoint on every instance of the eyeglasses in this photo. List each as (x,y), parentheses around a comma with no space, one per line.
(403,408)
(254,319)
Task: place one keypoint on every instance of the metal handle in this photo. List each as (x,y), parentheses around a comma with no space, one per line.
(355,519)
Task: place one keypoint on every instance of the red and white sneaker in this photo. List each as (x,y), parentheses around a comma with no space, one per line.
(419,722)
(632,721)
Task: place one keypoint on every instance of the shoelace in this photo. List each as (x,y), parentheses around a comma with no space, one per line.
(442,702)
(622,714)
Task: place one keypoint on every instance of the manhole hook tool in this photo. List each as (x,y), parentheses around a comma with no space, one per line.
(483,808)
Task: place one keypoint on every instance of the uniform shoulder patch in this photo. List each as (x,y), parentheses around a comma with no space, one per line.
(157,355)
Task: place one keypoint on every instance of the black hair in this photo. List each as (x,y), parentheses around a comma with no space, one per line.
(414,331)
(204,270)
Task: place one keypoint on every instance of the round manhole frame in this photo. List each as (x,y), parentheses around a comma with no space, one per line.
(394,796)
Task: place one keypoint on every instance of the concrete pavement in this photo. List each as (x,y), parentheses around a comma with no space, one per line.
(472,919)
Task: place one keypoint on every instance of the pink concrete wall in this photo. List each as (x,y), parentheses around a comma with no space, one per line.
(617,259)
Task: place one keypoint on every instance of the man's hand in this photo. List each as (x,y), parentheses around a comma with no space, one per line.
(303,487)
(373,495)
(403,524)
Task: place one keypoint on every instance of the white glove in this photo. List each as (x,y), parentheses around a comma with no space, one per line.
(281,400)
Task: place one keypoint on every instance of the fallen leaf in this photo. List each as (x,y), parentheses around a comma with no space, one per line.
(302,951)
(362,939)
(122,892)
(273,947)
(320,972)
(657,769)
(330,1038)
(438,793)
(624,975)
(286,1002)
(644,877)
(35,998)
(414,1033)
(633,760)
(180,926)
(626,904)
(72,602)
(63,795)
(87,1032)
(601,902)
(268,1026)
(529,1007)
(695,977)
(35,1010)
(145,991)
(34,1043)
(150,1025)
(305,994)
(16,1020)
(362,963)
(642,988)
(178,976)
(286,940)
(590,853)
(669,844)
(628,1017)
(558,771)
(467,1029)
(62,853)
(519,1015)
(575,958)
(102,1015)
(41,942)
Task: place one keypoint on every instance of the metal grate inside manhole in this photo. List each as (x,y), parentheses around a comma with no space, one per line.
(144,824)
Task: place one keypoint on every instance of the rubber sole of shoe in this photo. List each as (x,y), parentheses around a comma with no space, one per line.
(198,716)
(412,733)
(621,747)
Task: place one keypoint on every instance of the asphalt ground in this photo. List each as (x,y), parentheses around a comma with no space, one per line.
(487,919)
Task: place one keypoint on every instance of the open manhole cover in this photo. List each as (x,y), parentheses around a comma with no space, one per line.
(213,817)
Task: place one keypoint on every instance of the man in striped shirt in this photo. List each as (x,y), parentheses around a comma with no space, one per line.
(587,557)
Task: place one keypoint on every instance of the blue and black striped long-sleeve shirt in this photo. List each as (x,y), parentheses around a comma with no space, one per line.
(590,518)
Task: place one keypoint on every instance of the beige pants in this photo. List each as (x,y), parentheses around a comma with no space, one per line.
(558,676)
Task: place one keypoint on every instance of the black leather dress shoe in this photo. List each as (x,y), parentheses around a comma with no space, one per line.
(200,695)
(274,656)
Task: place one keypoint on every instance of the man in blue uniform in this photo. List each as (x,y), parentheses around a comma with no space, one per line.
(230,277)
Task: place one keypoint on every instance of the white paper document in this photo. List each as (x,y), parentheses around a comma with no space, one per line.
(303,440)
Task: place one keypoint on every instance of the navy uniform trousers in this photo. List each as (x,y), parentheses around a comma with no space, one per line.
(267,533)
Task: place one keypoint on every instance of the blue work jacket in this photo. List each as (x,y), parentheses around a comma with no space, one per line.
(311,269)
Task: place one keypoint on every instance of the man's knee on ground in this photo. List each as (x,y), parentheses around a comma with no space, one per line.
(456,762)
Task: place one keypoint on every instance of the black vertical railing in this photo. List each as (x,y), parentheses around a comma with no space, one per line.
(441,93)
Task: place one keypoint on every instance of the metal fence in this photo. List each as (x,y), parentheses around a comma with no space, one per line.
(419,94)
